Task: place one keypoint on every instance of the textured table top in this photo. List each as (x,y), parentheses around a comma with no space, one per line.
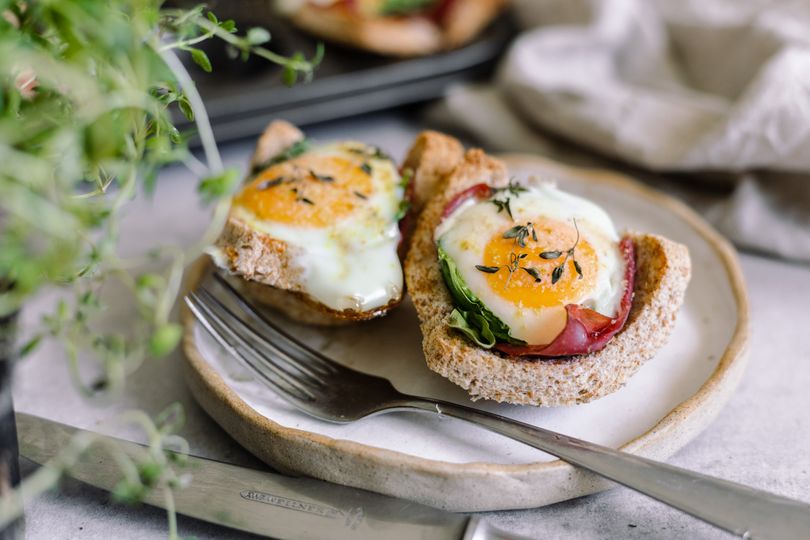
(760,439)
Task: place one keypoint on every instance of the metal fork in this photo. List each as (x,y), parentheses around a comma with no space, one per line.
(327,390)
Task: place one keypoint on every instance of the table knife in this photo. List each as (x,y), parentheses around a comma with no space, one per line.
(262,502)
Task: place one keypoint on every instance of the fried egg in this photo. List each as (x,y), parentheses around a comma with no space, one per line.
(527,252)
(338,205)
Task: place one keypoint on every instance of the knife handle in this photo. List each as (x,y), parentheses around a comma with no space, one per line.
(739,509)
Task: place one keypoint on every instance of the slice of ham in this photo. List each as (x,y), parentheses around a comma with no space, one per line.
(478,191)
(585,330)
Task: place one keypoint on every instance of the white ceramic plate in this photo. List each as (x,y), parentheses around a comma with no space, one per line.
(452,465)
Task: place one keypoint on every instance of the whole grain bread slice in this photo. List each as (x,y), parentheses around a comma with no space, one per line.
(398,36)
(662,275)
(265,267)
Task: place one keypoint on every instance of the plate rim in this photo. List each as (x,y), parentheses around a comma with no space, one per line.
(672,431)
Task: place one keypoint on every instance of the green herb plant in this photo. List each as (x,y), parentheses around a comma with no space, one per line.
(86,99)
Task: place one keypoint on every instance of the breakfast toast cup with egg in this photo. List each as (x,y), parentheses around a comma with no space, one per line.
(527,295)
(317,231)
(396,27)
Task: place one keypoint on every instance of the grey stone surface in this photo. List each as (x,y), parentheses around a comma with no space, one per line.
(761,438)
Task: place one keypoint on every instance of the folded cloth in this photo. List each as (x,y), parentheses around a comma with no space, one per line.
(692,86)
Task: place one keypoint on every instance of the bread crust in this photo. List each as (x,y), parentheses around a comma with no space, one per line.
(432,156)
(662,274)
(398,36)
(266,265)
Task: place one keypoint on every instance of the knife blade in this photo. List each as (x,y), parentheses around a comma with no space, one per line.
(258,501)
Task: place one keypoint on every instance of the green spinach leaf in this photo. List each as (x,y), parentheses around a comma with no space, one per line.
(403,7)
(471,316)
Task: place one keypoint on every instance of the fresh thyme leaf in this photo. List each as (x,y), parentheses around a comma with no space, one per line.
(521,239)
(520,233)
(307,201)
(487,269)
(217,186)
(366,168)
(402,211)
(362,196)
(321,177)
(295,150)
(503,205)
(257,36)
(267,184)
(523,255)
(200,58)
(371,151)
(379,153)
(569,254)
(513,188)
(185,107)
(407,176)
(556,274)
(532,272)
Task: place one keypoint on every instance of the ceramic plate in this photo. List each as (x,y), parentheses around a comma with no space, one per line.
(449,464)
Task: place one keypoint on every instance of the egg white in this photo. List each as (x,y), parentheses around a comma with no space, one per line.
(352,263)
(465,233)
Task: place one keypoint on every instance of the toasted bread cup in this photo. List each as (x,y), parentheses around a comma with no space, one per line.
(265,268)
(662,274)
(406,35)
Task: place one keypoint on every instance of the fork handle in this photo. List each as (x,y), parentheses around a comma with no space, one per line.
(734,507)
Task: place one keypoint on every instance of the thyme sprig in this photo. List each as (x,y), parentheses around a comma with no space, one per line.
(558,271)
(321,177)
(513,188)
(300,197)
(371,151)
(513,266)
(503,205)
(267,184)
(296,149)
(520,233)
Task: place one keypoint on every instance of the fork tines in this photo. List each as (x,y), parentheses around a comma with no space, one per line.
(287,365)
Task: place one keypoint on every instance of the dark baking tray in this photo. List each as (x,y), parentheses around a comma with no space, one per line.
(242,97)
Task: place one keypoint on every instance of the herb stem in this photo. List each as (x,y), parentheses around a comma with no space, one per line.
(303,65)
(201,119)
(186,42)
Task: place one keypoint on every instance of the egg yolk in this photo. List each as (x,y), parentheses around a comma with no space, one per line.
(311,190)
(519,268)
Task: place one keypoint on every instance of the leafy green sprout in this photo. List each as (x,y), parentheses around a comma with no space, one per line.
(86,92)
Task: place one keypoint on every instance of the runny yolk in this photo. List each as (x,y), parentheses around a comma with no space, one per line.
(514,283)
(290,192)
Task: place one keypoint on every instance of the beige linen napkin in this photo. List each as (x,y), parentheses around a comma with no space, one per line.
(688,86)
